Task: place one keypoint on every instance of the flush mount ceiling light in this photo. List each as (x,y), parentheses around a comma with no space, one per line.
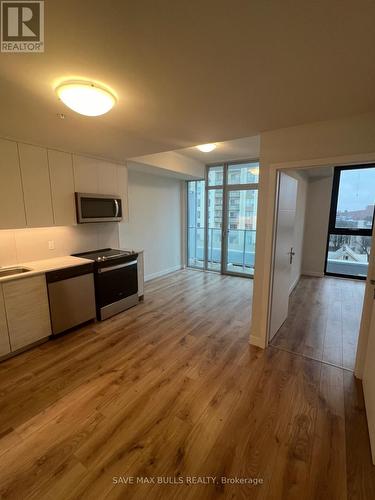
(206,148)
(254,170)
(86,98)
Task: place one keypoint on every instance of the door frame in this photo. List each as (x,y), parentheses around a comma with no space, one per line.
(259,334)
(224,222)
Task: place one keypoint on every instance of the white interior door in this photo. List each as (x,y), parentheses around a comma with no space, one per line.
(286,211)
(369,382)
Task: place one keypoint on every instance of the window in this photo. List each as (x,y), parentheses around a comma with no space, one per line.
(216,175)
(355,203)
(351,221)
(222,215)
(195,223)
(243,173)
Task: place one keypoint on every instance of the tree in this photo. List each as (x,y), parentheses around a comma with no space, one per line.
(337,241)
(364,245)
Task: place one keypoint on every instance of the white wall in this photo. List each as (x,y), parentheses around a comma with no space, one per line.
(155,222)
(316,227)
(24,245)
(315,144)
(173,162)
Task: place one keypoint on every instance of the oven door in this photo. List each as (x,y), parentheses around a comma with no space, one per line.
(98,208)
(116,288)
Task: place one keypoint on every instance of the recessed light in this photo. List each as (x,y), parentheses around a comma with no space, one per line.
(206,148)
(86,98)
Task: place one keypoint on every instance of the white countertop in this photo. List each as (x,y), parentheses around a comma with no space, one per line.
(43,266)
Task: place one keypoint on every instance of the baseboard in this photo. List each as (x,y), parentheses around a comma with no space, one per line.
(313,274)
(257,341)
(293,285)
(163,272)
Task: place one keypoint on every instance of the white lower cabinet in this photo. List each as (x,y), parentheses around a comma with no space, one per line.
(27,310)
(4,335)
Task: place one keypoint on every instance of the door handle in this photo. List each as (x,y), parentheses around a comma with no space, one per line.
(291,254)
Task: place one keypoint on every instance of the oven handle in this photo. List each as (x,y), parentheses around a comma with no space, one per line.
(113,268)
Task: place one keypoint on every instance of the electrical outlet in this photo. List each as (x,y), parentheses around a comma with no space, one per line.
(51,245)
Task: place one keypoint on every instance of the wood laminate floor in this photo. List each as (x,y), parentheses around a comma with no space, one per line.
(171,389)
(323,321)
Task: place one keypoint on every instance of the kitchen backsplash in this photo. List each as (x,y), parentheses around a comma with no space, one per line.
(23,245)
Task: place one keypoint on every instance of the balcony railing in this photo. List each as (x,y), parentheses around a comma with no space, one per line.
(241,248)
(347,267)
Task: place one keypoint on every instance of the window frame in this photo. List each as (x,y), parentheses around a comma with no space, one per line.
(187,227)
(226,187)
(345,231)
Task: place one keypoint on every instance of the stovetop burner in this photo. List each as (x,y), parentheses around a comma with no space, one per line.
(103,254)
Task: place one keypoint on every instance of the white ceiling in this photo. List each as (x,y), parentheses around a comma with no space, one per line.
(247,148)
(192,72)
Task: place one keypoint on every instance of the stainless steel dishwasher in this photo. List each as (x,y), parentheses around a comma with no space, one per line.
(71,296)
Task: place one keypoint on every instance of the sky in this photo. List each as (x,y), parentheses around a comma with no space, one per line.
(357,189)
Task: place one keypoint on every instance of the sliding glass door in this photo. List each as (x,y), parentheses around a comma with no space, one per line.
(351,221)
(240,217)
(196,194)
(231,200)
(241,230)
(215,208)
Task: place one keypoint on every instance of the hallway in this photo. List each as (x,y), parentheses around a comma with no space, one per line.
(323,321)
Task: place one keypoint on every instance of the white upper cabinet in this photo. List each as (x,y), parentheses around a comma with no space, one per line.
(12,208)
(62,187)
(107,178)
(36,185)
(85,174)
(95,176)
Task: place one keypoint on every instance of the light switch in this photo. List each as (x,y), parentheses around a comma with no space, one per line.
(51,245)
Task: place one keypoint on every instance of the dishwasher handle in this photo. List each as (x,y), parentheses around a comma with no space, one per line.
(69,272)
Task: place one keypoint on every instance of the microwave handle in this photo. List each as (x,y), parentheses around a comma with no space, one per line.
(117,208)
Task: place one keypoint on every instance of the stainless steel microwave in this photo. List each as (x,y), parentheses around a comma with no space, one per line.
(93,207)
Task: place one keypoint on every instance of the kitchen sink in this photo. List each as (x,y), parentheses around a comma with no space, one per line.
(10,271)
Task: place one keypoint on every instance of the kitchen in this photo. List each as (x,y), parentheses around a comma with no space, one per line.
(141,145)
(41,298)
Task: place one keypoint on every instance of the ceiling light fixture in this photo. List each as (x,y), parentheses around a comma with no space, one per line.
(86,98)
(254,171)
(206,148)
